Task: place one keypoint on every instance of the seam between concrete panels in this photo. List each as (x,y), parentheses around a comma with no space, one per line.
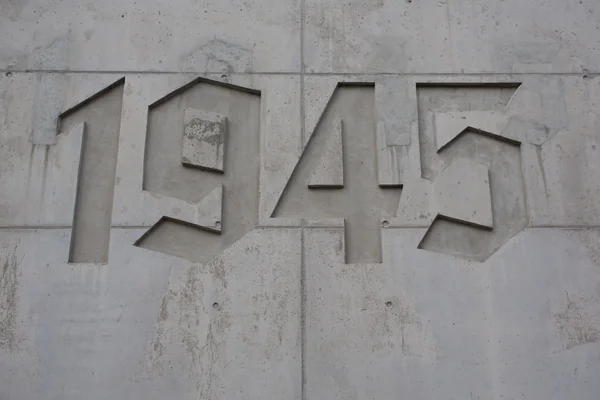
(303,296)
(301,73)
(267,227)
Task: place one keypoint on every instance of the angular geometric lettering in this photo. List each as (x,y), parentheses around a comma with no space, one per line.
(472,192)
(202,160)
(100,117)
(344,143)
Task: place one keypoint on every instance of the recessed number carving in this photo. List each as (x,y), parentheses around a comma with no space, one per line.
(202,157)
(201,170)
(337,175)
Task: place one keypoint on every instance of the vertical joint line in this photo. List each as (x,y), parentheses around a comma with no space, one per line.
(302,222)
(302,314)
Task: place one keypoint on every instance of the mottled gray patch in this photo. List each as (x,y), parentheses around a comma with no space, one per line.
(9,299)
(217,268)
(53,56)
(389,318)
(190,334)
(49,94)
(206,131)
(218,55)
(588,238)
(575,326)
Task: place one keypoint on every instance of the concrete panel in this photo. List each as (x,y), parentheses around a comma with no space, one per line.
(451,36)
(423,325)
(181,35)
(147,325)
(299,199)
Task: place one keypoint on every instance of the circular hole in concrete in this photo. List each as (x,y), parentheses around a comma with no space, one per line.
(215,305)
(385,223)
(388,304)
(218,224)
(8,73)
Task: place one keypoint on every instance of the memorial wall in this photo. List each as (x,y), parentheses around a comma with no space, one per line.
(299,199)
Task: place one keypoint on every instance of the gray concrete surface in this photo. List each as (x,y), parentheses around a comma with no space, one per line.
(408,206)
(204,137)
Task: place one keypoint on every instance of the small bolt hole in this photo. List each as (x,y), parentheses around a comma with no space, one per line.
(218,224)
(215,305)
(9,74)
(388,304)
(385,223)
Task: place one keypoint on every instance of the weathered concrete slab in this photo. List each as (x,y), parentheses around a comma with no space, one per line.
(454,36)
(399,199)
(204,139)
(517,325)
(148,325)
(181,36)
(47,105)
(42,180)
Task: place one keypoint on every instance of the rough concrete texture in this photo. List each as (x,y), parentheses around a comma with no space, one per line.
(398,199)
(360,201)
(539,36)
(329,170)
(232,109)
(204,136)
(472,205)
(422,325)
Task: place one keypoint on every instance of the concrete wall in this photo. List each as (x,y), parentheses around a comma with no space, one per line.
(300,199)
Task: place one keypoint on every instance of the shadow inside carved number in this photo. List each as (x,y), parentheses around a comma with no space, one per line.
(336,177)
(465,124)
(183,238)
(202,148)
